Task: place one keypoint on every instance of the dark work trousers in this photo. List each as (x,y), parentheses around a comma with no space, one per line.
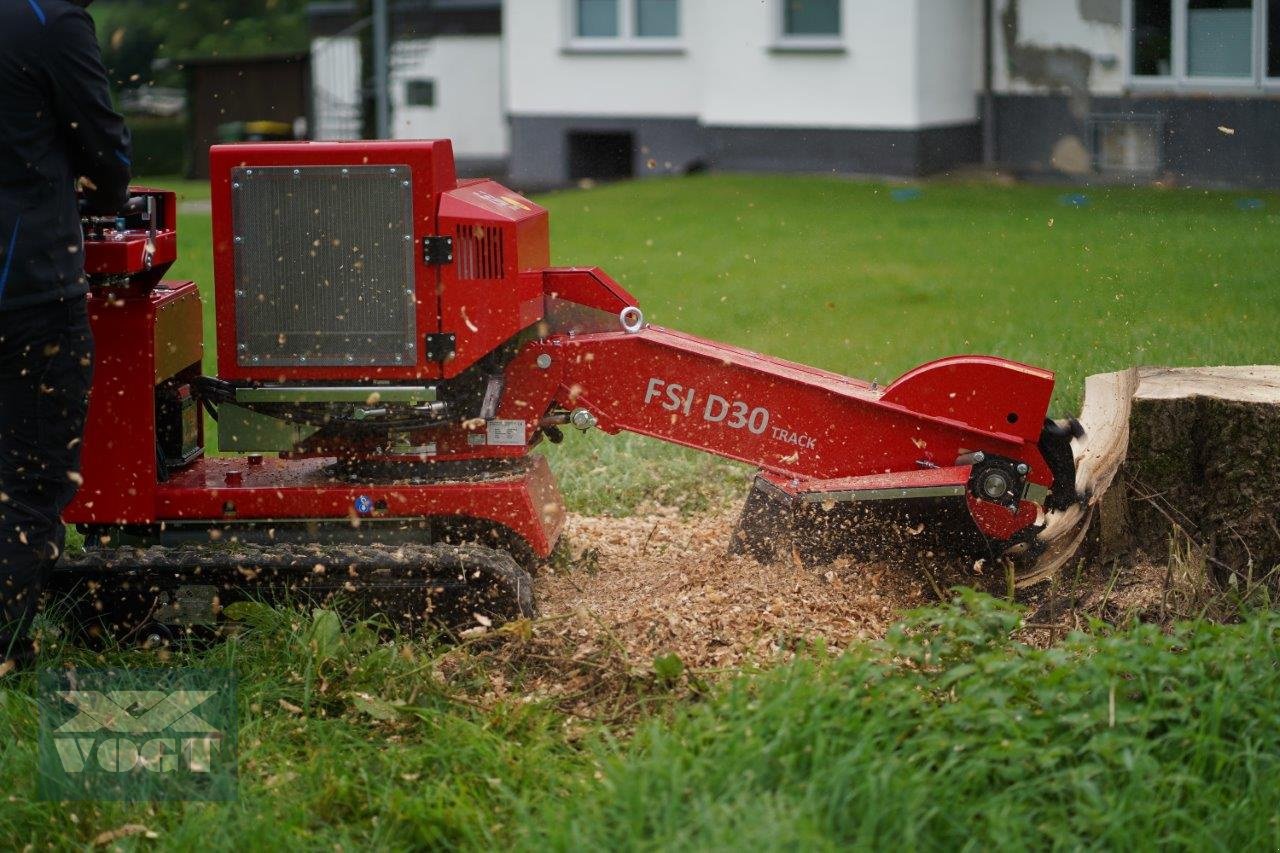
(46,366)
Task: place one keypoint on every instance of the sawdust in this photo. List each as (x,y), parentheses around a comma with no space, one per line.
(660,584)
(645,605)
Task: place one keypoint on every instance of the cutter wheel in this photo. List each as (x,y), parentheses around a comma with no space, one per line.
(906,532)
(774,526)
(126,593)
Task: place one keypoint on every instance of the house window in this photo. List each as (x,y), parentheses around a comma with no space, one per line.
(1220,38)
(1205,42)
(811,18)
(657,18)
(420,93)
(1273,39)
(624,20)
(1153,38)
(598,18)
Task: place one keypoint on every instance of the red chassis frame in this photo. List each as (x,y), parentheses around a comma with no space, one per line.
(813,434)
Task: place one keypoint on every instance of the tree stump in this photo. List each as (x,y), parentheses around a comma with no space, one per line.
(1177,452)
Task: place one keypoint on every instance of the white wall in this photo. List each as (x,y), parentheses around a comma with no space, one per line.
(949,50)
(1060,25)
(872,84)
(728,73)
(543,80)
(335,94)
(467,71)
(469,106)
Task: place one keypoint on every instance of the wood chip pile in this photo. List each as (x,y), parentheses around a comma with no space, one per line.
(659,584)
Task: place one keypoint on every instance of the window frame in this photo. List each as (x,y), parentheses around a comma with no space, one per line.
(1269,83)
(784,41)
(627,40)
(1180,80)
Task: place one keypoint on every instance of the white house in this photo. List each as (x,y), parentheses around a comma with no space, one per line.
(569,89)
(446,75)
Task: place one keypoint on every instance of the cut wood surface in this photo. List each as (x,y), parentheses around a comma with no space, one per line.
(1175,452)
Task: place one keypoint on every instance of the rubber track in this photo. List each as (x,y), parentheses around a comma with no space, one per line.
(411,585)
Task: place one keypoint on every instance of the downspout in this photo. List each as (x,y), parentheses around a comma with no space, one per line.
(989,153)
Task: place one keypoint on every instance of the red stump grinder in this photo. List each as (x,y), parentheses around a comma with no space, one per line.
(392,344)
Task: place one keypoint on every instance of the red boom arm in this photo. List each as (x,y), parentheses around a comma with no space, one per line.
(810,431)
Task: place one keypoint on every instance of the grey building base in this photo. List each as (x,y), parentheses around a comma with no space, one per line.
(495,168)
(1194,149)
(545,150)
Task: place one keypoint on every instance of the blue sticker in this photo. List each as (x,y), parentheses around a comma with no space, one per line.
(364,505)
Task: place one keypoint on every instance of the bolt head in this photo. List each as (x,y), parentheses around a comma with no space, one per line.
(1023,468)
(994,485)
(544,361)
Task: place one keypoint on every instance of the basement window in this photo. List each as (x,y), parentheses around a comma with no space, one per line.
(600,156)
(1127,144)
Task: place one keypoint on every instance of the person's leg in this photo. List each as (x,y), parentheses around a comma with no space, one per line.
(46,356)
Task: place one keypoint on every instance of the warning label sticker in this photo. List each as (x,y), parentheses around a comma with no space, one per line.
(505,433)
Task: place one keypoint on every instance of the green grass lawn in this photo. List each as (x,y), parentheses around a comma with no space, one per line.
(946,735)
(838,274)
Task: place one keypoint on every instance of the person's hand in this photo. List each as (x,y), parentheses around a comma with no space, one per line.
(83,183)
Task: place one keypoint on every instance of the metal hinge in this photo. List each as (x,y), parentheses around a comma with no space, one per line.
(437,251)
(441,346)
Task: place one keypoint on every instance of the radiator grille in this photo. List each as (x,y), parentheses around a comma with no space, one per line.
(478,252)
(324,266)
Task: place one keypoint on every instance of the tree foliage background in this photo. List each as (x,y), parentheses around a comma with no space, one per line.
(144,41)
